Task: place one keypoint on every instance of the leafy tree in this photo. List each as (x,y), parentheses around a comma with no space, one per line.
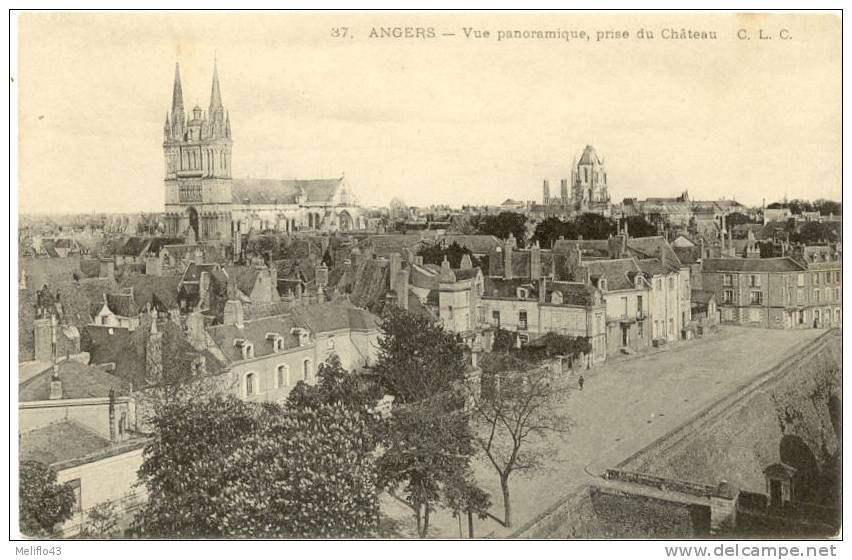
(221,467)
(335,385)
(101,522)
(434,254)
(815,232)
(44,502)
(736,219)
(501,225)
(828,207)
(417,357)
(638,226)
(465,498)
(595,226)
(549,230)
(515,416)
(427,452)
(462,224)
(503,341)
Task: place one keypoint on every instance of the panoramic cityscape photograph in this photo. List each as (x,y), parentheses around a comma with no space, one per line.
(439,275)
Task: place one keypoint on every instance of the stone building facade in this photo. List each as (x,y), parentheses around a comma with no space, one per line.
(203,202)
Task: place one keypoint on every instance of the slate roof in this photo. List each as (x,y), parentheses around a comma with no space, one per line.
(688,255)
(508,288)
(79,381)
(779,264)
(651,247)
(159,291)
(133,247)
(318,318)
(58,442)
(620,273)
(159,243)
(477,244)
(123,305)
(702,297)
(284,191)
(573,293)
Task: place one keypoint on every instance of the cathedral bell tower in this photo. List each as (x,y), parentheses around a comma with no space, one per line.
(197,154)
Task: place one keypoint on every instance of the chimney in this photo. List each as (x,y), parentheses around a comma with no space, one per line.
(395,267)
(43,339)
(508,246)
(55,385)
(233,314)
(535,261)
(204,291)
(321,275)
(402,288)
(273,280)
(154,355)
(112,415)
(195,330)
(542,290)
(107,269)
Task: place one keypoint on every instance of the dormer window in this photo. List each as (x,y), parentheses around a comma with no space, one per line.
(302,334)
(246,348)
(523,293)
(277,341)
(602,284)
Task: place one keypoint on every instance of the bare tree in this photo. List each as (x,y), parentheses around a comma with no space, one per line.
(515,411)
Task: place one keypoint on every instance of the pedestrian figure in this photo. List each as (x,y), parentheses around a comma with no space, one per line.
(580,382)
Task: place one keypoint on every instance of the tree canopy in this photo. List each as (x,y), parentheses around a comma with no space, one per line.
(502,224)
(417,357)
(435,253)
(221,467)
(44,502)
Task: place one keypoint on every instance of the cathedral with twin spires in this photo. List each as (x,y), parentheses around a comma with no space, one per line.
(204,203)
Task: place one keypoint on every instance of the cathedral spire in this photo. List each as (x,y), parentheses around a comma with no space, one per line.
(215,94)
(177,93)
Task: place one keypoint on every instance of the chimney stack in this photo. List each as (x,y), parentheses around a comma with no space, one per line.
(535,261)
(508,247)
(55,384)
(233,314)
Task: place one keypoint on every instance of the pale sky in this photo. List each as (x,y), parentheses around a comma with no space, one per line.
(444,120)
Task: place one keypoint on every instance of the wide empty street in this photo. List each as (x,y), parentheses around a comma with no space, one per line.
(625,405)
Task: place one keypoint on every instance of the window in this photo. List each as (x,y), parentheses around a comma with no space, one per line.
(306,369)
(727,280)
(659,284)
(624,307)
(816,295)
(671,283)
(495,318)
(641,329)
(756,297)
(754,281)
(639,306)
(754,315)
(728,296)
(481,314)
(837,276)
(816,278)
(74,485)
(671,327)
(330,344)
(522,320)
(800,295)
(800,280)
(450,313)
(282,376)
(836,294)
(250,384)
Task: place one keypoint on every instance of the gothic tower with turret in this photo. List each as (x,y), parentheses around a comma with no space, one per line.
(589,190)
(197,153)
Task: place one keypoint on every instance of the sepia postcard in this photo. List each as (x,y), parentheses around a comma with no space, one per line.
(440,275)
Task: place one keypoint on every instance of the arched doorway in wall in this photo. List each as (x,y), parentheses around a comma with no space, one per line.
(192,214)
(345,221)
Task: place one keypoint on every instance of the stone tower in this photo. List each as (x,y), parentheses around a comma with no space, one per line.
(197,153)
(588,181)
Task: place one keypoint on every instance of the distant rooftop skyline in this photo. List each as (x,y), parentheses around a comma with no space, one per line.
(449,121)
